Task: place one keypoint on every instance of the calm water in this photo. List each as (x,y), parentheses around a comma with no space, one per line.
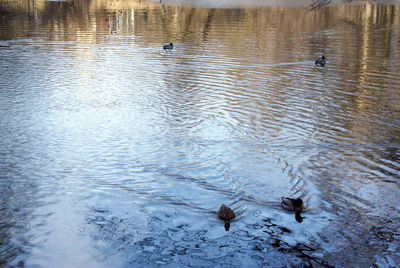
(115,153)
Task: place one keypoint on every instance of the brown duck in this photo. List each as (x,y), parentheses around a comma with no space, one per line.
(226,214)
(292,204)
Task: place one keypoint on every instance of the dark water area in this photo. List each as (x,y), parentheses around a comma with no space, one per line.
(116,153)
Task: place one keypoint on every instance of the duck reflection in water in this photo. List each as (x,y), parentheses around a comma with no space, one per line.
(226,214)
(298,217)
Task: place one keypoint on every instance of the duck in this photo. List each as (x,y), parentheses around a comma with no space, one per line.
(320,62)
(226,214)
(168,46)
(292,204)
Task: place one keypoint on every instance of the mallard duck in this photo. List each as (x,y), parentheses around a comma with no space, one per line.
(168,46)
(226,213)
(292,204)
(320,62)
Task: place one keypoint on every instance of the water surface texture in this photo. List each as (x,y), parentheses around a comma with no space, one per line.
(116,153)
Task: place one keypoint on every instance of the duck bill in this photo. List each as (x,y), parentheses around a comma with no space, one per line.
(302,206)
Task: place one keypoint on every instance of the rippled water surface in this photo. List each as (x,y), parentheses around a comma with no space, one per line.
(116,153)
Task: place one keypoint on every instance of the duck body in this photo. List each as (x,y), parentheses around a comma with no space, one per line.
(168,46)
(320,62)
(292,204)
(226,213)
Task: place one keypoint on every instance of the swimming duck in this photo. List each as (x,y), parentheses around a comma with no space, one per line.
(292,204)
(226,213)
(168,46)
(320,62)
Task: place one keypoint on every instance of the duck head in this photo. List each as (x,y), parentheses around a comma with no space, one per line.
(298,203)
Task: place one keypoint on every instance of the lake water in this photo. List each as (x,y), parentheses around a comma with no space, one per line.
(116,153)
